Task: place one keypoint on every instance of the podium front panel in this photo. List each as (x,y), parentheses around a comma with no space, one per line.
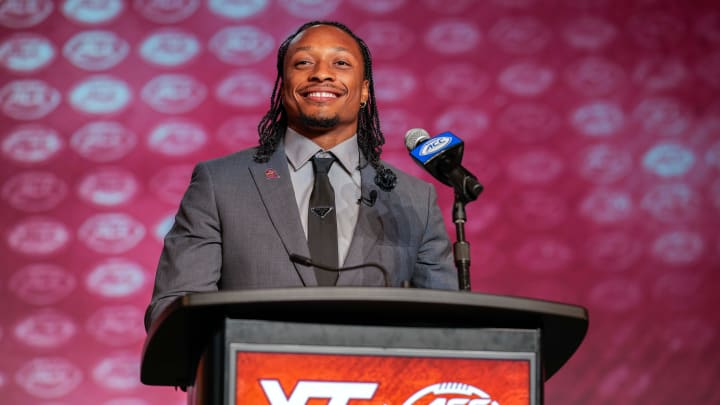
(270,362)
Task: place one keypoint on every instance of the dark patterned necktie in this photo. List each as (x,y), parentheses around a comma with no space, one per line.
(322,223)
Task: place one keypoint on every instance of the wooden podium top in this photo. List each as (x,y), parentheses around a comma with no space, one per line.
(183,329)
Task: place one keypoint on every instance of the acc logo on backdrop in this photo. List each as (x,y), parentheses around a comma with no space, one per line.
(117,325)
(177,138)
(529,121)
(95,50)
(108,187)
(241,45)
(120,371)
(668,160)
(93,11)
(310,8)
(394,83)
(28,99)
(49,377)
(605,206)
(100,95)
(45,329)
(598,118)
(526,79)
(115,278)
(170,182)
(678,247)
(660,73)
(520,35)
(170,47)
(452,37)
(42,284)
(613,251)
(173,93)
(34,191)
(166,12)
(594,76)
(387,39)
(103,141)
(471,122)
(38,236)
(544,254)
(450,393)
(535,166)
(663,116)
(24,13)
(240,132)
(536,209)
(378,6)
(616,294)
(26,53)
(111,233)
(604,164)
(457,82)
(672,203)
(237,9)
(589,33)
(656,30)
(32,144)
(243,89)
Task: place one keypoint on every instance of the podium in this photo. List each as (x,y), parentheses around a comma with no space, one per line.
(360,345)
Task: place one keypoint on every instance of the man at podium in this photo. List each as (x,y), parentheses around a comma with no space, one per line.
(313,199)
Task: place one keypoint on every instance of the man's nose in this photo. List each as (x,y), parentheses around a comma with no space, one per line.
(322,73)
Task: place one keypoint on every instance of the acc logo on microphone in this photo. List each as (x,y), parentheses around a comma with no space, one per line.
(434,145)
(450,393)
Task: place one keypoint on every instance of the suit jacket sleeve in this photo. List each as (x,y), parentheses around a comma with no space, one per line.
(434,266)
(192,253)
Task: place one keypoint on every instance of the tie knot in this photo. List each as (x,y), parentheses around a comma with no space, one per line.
(321,165)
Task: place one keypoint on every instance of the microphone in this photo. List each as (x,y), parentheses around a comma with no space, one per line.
(441,157)
(370,202)
(306,261)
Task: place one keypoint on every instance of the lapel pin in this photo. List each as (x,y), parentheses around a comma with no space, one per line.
(271,174)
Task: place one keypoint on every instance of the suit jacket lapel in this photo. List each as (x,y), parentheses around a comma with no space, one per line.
(367,232)
(275,188)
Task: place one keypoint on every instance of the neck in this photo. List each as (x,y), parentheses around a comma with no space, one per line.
(325,138)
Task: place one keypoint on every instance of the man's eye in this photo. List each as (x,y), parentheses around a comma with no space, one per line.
(343,63)
(302,63)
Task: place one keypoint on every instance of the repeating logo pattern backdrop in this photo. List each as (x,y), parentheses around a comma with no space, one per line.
(594,124)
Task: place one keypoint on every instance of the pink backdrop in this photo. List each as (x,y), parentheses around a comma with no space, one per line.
(594,125)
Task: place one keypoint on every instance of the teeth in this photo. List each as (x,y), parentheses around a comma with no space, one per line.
(321,94)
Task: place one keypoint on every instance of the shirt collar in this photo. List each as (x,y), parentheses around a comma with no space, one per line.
(299,150)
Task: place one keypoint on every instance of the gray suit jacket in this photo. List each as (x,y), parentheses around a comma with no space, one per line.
(238,223)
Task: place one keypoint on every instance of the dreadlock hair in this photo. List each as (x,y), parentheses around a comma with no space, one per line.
(273,125)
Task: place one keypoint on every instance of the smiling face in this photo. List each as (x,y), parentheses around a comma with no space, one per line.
(324,85)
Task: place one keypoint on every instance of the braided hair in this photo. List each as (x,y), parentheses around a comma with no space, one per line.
(273,125)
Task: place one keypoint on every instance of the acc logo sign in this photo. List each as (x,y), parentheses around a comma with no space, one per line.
(450,393)
(28,99)
(26,53)
(49,377)
(42,284)
(177,138)
(243,89)
(95,50)
(92,11)
(111,233)
(100,95)
(170,47)
(242,45)
(434,145)
(34,191)
(173,93)
(166,12)
(32,144)
(120,371)
(103,141)
(24,13)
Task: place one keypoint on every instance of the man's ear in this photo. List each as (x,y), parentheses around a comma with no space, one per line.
(365,92)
